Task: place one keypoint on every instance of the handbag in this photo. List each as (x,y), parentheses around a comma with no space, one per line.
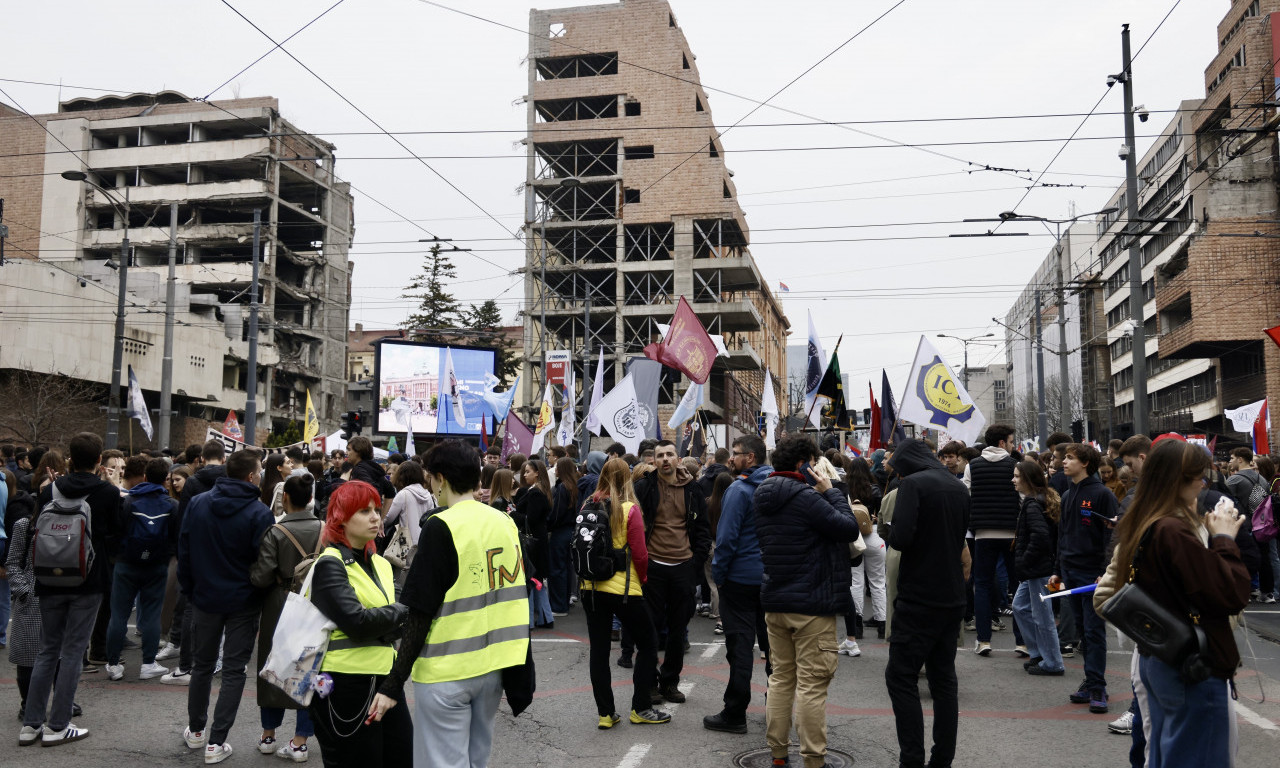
(298,646)
(1174,639)
(401,549)
(857,546)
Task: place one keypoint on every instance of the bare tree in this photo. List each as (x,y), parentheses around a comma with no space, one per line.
(1026,410)
(41,408)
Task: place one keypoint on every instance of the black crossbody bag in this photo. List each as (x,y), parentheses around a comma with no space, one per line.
(1177,640)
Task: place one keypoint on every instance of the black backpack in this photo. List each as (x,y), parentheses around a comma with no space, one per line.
(592,550)
(147,537)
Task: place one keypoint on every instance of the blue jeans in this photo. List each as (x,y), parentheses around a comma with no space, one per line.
(1091,627)
(273,718)
(66,621)
(539,606)
(146,583)
(986,596)
(1035,616)
(453,721)
(561,576)
(1191,725)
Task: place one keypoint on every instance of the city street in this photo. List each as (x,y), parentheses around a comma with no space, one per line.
(1007,717)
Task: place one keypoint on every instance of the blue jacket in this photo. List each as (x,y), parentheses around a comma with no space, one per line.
(221,531)
(737,554)
(804,545)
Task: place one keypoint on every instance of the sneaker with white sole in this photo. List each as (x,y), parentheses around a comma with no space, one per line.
(195,739)
(177,676)
(267,745)
(29,735)
(152,670)
(849,648)
(65,736)
(982,649)
(1122,724)
(216,753)
(114,671)
(217,670)
(169,651)
(299,754)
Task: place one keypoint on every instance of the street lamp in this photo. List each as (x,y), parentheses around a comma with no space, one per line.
(966,342)
(117,350)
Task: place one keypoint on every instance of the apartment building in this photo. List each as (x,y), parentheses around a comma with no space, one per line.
(219,163)
(630,205)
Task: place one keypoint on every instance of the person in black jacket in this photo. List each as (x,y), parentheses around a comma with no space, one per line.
(1089,510)
(533,510)
(930,518)
(804,526)
(368,470)
(994,508)
(1035,544)
(677,531)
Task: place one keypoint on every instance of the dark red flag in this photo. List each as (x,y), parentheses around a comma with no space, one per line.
(1274,333)
(687,346)
(876,441)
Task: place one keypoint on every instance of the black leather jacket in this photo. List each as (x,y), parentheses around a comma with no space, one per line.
(332,593)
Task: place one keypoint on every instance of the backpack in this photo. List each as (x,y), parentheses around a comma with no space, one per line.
(592,550)
(62,548)
(1265,527)
(303,567)
(1257,495)
(148,539)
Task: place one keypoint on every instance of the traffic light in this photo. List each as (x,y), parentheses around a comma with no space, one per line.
(357,424)
(350,424)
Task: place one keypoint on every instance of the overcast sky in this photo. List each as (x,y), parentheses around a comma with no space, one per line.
(858,234)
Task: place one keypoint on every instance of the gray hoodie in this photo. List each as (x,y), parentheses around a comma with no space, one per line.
(411,502)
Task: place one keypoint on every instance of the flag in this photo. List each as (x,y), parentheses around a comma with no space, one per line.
(783,287)
(137,405)
(546,422)
(516,438)
(692,439)
(597,394)
(568,416)
(686,347)
(1274,333)
(875,438)
(851,450)
(311,427)
(934,398)
(619,414)
(392,446)
(647,375)
(1261,442)
(813,375)
(891,431)
(455,392)
(769,408)
(499,402)
(1213,445)
(231,427)
(693,399)
(410,449)
(1243,418)
(716,339)
(832,388)
(484,433)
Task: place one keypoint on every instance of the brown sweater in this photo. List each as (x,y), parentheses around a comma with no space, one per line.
(669,539)
(1180,572)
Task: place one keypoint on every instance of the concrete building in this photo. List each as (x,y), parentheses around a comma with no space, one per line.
(986,386)
(625,214)
(219,162)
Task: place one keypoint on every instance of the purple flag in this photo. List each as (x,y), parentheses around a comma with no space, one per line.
(516,437)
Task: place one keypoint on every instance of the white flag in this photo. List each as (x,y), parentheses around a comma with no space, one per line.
(813,375)
(455,394)
(597,394)
(769,407)
(693,399)
(619,413)
(1242,418)
(568,417)
(935,398)
(546,422)
(137,405)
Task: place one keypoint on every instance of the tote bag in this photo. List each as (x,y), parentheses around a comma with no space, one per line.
(298,646)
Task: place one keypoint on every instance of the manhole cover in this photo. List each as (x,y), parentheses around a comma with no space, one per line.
(761,758)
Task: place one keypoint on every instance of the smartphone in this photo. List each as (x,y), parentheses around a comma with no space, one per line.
(807,474)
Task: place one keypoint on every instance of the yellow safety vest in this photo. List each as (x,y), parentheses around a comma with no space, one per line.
(362,657)
(483,623)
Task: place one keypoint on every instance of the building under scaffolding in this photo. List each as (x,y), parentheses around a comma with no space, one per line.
(629,205)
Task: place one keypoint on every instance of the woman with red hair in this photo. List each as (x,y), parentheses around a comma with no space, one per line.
(355,588)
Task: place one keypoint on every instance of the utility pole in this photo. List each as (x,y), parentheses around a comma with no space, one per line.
(1064,374)
(166,367)
(587,380)
(1042,416)
(1136,293)
(117,349)
(251,400)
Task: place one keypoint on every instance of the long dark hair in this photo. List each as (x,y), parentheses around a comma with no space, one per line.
(1170,466)
(858,476)
(718,487)
(270,476)
(1033,475)
(544,481)
(567,475)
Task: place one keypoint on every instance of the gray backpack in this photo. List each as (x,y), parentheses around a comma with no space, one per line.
(62,548)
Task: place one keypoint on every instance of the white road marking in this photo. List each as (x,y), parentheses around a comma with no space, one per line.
(670,709)
(1255,718)
(711,651)
(554,640)
(634,756)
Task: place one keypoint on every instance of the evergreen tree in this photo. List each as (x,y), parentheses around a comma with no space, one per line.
(438,309)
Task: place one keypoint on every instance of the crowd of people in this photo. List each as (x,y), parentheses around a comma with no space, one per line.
(437,568)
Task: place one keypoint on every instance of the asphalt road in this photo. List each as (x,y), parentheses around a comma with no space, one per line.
(1007,717)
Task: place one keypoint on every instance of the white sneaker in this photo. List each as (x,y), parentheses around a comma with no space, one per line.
(216,753)
(169,651)
(28,735)
(290,752)
(151,670)
(69,734)
(982,649)
(195,740)
(115,671)
(217,670)
(177,676)
(850,648)
(1122,724)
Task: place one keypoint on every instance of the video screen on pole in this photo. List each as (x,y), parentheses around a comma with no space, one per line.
(412,387)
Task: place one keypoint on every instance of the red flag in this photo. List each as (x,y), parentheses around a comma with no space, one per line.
(687,346)
(231,427)
(876,443)
(484,437)
(1261,441)
(1274,333)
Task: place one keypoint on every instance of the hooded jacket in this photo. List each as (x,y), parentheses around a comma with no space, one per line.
(150,499)
(104,525)
(410,504)
(930,518)
(589,479)
(1084,539)
(218,545)
(737,554)
(371,472)
(707,480)
(201,482)
(697,521)
(804,546)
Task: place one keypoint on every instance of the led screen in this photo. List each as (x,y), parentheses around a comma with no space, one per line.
(409,389)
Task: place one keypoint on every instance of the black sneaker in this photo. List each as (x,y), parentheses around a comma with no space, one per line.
(1082,694)
(1034,661)
(671,694)
(719,722)
(1098,701)
(625,661)
(1040,671)
(1068,650)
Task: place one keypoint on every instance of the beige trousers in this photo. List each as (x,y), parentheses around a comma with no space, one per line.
(803,651)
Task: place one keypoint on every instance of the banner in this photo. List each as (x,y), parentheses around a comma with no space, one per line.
(934,398)
(231,427)
(647,376)
(231,445)
(137,405)
(311,427)
(516,437)
(769,407)
(686,347)
(546,422)
(620,413)
(592,422)
(817,365)
(568,413)
(559,365)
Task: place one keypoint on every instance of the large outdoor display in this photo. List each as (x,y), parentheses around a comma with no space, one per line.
(412,387)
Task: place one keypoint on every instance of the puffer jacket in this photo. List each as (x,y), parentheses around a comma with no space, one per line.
(804,544)
(332,593)
(1035,542)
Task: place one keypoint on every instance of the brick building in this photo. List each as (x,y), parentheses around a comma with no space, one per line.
(629,206)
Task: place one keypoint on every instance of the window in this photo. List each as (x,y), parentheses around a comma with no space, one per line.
(727,193)
(586,65)
(714,152)
(685,58)
(697,102)
(633,109)
(631,196)
(671,19)
(586,108)
(556,30)
(638,153)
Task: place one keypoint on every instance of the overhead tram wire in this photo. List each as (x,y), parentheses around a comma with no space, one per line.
(273,49)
